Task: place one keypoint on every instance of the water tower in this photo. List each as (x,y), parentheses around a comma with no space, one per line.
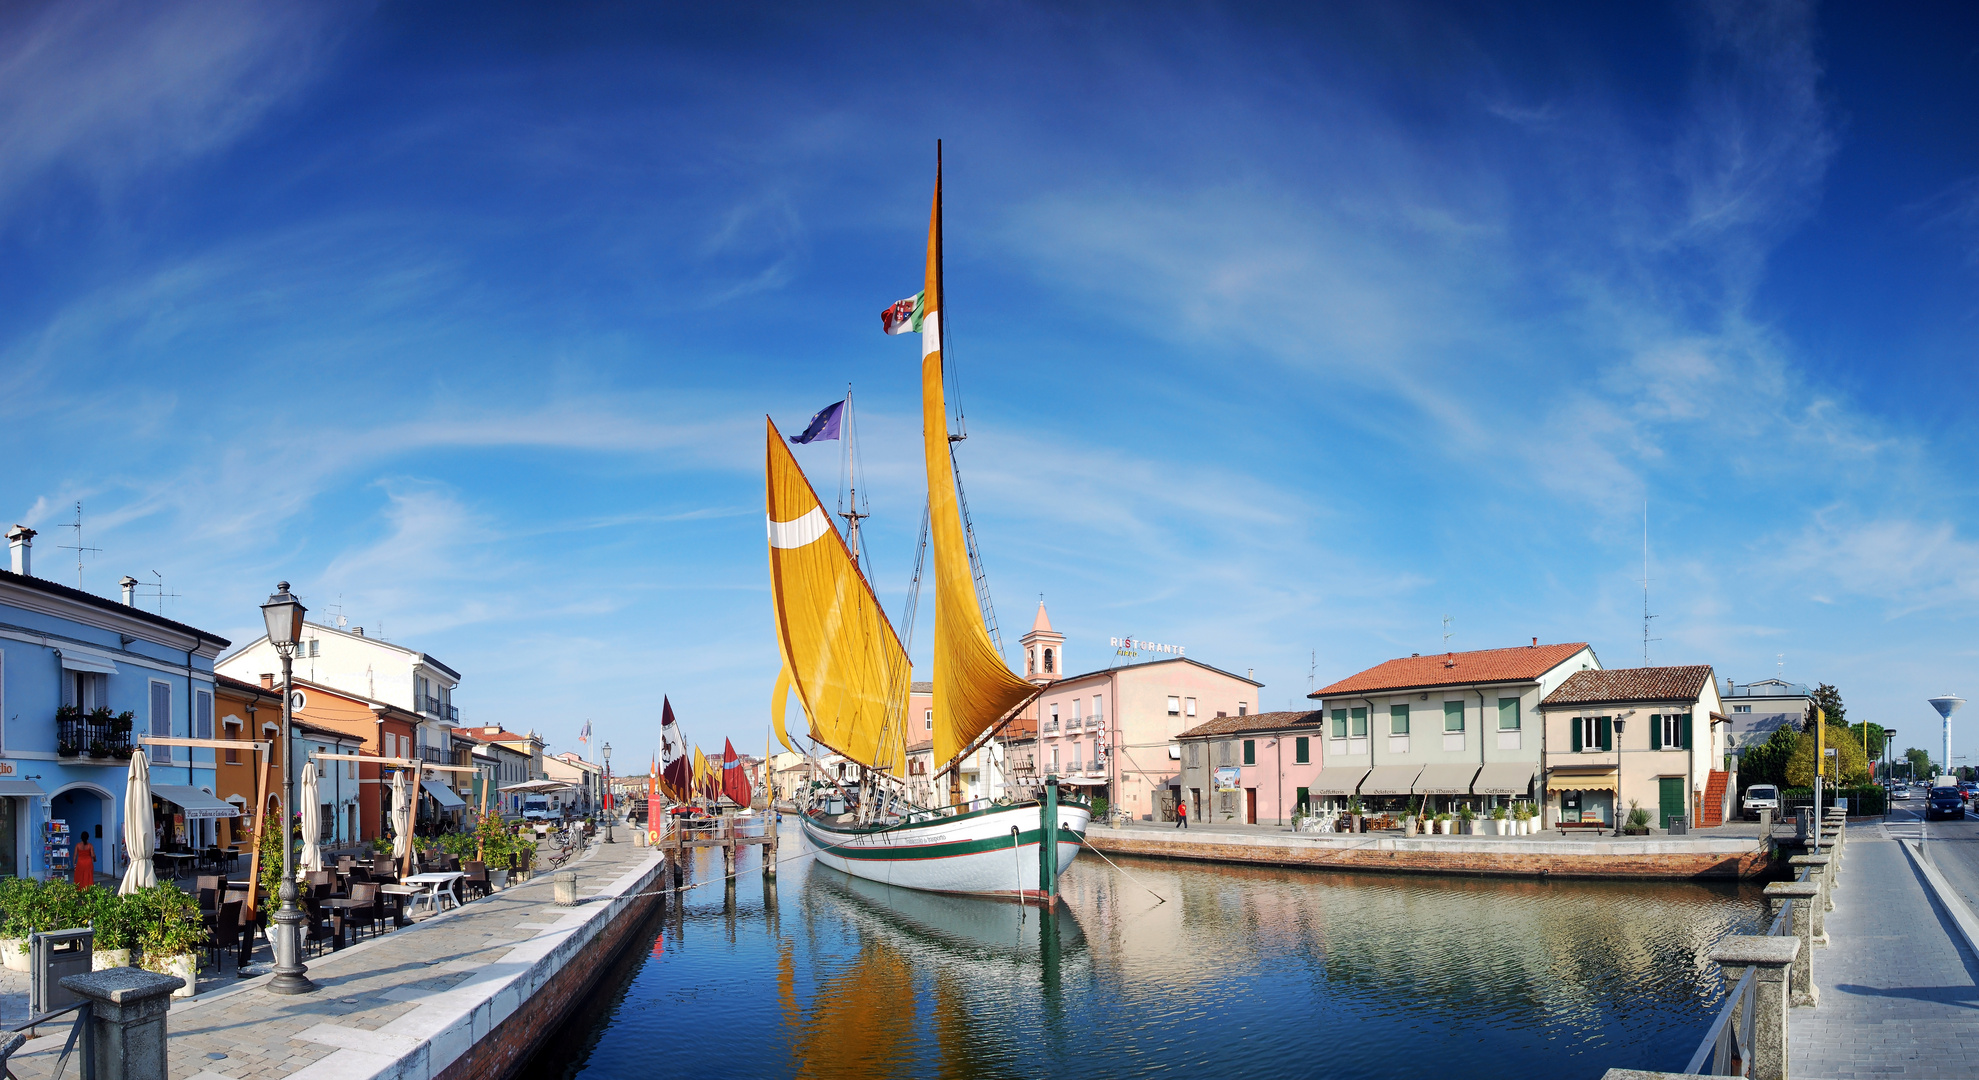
(1946,706)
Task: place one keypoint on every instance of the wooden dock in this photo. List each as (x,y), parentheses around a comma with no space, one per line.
(677,846)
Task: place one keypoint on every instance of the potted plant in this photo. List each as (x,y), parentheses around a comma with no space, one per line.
(115,920)
(1358,814)
(20,899)
(1638,821)
(171,935)
(1498,819)
(1467,819)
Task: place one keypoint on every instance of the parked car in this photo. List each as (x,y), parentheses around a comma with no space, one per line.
(1945,802)
(1760,797)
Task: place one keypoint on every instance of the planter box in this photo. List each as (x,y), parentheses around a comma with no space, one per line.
(14,954)
(105,959)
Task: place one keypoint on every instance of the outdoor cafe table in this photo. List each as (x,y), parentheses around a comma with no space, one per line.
(435,881)
(179,859)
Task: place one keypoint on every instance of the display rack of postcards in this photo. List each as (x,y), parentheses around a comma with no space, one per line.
(55,845)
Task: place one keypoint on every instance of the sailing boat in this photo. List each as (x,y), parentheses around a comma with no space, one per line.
(851,673)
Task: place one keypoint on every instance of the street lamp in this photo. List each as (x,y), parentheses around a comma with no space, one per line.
(283,613)
(608,792)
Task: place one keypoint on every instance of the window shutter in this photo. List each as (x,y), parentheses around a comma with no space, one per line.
(202,715)
(1604,728)
(1576,726)
(1684,723)
(1303,751)
(161,719)
(1453,716)
(1250,751)
(1656,732)
(1339,723)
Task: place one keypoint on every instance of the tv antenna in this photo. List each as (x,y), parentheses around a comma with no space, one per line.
(1446,633)
(159,585)
(1312,672)
(78,546)
(1646,616)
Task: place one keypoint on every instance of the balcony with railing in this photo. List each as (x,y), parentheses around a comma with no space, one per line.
(1049,727)
(438,709)
(438,755)
(1095,723)
(93,736)
(1096,765)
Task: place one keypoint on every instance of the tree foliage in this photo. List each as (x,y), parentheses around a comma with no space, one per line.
(1848,765)
(1829,701)
(1766,763)
(1920,763)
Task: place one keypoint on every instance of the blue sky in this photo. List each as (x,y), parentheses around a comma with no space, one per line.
(1281,333)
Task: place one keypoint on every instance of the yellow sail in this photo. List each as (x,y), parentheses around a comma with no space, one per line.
(973,688)
(839,650)
(779,700)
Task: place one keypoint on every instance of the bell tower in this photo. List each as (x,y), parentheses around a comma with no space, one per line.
(1044,650)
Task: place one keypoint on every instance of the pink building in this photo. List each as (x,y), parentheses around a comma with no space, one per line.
(1114,730)
(1252,770)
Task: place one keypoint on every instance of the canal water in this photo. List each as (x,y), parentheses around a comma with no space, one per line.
(1234,971)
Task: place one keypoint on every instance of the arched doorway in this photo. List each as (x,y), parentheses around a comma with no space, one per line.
(91,810)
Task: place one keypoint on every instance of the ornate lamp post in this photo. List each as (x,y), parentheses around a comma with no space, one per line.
(608,792)
(283,613)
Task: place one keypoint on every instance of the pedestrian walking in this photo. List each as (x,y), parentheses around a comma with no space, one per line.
(85,869)
(1181,813)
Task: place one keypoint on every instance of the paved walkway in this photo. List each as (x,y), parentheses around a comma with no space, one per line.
(242,1032)
(1899,990)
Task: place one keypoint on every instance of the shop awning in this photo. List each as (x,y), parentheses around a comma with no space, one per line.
(1504,778)
(1083,781)
(1582,780)
(197,804)
(1337,780)
(1445,779)
(85,662)
(535,786)
(1391,780)
(443,795)
(20,787)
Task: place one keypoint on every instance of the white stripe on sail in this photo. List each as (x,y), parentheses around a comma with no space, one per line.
(930,334)
(795,534)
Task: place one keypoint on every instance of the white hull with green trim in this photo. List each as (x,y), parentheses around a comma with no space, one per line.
(974,853)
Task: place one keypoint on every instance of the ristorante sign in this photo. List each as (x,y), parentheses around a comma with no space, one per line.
(1138,645)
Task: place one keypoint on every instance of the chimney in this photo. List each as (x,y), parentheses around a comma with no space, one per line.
(1450,659)
(20,539)
(359,631)
(267,680)
(1535,643)
(130,590)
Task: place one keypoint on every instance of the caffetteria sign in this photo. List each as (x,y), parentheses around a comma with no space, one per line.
(1138,645)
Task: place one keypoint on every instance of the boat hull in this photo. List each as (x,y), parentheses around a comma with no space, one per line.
(973,853)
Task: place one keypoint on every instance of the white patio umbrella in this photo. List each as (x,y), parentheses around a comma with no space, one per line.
(401,817)
(312,821)
(138,840)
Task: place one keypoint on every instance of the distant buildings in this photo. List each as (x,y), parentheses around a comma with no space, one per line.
(1758,709)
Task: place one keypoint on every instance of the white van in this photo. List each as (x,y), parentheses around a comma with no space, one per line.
(1760,797)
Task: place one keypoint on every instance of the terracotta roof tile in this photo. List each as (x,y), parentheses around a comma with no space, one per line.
(1520,664)
(1632,684)
(1264,721)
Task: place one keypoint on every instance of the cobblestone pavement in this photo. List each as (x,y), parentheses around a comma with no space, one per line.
(243,1032)
(1899,992)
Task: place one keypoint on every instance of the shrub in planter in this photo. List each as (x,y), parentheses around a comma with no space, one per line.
(116,920)
(171,934)
(1638,821)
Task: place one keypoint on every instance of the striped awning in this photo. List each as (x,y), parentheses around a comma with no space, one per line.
(1583,780)
(1505,778)
(1445,779)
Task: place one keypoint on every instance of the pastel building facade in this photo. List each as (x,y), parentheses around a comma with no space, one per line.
(1651,737)
(1257,769)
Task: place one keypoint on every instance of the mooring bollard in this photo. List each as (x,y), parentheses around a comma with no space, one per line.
(1769,958)
(1805,896)
(125,1039)
(563,887)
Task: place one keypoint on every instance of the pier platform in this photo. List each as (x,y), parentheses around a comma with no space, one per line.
(1734,853)
(462,994)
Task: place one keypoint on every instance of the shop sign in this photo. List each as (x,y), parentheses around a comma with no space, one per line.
(1128,646)
(1228,777)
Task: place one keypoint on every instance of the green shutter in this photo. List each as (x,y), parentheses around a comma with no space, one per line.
(1250,751)
(1304,799)
(1360,723)
(1339,723)
(1453,716)
(1508,714)
(1302,752)
(1604,727)
(1398,719)
(1656,731)
(1576,726)
(1683,725)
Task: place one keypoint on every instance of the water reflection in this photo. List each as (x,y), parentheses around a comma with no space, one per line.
(1240,970)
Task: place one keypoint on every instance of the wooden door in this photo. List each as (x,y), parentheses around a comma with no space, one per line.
(1670,799)
(1250,806)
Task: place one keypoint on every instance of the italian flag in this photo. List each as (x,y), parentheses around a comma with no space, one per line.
(905,316)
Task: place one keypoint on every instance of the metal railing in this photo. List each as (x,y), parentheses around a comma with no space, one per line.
(21,1032)
(1049,727)
(438,755)
(83,736)
(1727,1047)
(1095,723)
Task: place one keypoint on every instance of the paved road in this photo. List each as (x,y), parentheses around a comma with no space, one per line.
(1953,845)
(1899,989)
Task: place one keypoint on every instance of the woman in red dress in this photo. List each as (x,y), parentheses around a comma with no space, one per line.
(85,863)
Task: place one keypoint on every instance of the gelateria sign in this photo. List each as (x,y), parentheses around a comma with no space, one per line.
(1135,646)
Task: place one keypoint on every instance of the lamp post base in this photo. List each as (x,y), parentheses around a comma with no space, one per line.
(290,977)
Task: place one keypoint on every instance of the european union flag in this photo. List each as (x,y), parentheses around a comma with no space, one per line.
(823,426)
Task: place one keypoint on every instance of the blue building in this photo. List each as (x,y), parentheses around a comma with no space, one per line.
(82,678)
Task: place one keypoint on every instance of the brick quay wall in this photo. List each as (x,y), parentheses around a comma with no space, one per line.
(1683,857)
